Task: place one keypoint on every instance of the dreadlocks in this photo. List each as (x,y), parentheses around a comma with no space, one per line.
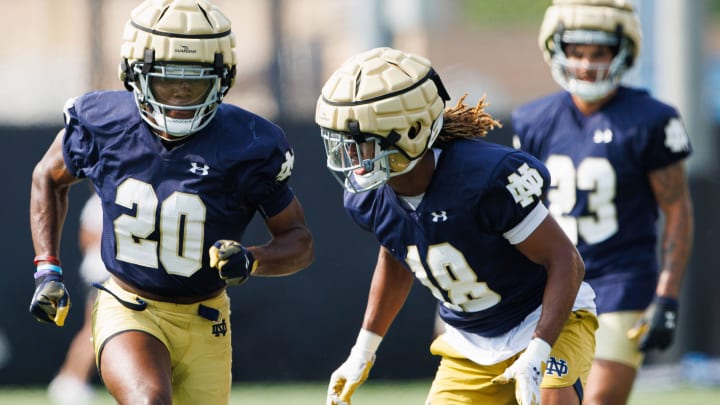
(466,122)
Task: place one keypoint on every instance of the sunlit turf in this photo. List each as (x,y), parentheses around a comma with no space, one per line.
(371,393)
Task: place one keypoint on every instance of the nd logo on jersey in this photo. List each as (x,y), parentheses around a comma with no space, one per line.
(525,185)
(287,166)
(676,138)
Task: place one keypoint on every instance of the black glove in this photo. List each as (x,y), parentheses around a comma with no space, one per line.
(233,261)
(51,301)
(656,328)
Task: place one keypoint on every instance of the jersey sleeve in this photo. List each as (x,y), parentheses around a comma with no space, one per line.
(271,191)
(512,205)
(80,150)
(666,143)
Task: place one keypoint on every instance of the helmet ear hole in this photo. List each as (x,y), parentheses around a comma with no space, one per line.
(414,130)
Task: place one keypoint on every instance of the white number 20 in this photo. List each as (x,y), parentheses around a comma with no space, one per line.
(595,175)
(182,218)
(454,275)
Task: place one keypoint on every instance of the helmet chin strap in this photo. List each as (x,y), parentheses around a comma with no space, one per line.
(368,181)
(590,92)
(173,126)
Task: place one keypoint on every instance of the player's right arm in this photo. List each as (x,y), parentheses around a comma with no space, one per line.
(389,289)
(51,182)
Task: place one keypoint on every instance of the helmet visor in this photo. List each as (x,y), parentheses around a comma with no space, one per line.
(180,87)
(345,154)
(589,64)
(587,72)
(177,99)
(358,166)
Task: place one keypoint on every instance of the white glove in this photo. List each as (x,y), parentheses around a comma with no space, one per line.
(526,371)
(354,371)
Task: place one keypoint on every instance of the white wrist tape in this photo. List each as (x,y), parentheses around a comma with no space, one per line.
(368,341)
(537,351)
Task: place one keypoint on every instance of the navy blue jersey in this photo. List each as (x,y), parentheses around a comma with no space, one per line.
(457,240)
(164,207)
(600,192)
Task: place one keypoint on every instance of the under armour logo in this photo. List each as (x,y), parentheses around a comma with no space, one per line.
(287,166)
(536,375)
(676,139)
(525,185)
(203,170)
(219,328)
(555,366)
(439,216)
(602,136)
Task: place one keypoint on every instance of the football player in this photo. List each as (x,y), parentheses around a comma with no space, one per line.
(616,156)
(179,176)
(465,217)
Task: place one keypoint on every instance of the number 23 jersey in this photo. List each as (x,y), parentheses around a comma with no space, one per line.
(164,207)
(459,241)
(600,192)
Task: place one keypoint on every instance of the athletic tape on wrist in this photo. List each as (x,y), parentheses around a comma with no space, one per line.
(538,349)
(368,341)
(43,273)
(48,267)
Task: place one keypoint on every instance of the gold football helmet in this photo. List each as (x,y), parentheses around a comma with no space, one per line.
(378,113)
(602,22)
(171,44)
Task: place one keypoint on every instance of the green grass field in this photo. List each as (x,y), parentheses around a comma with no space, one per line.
(372,393)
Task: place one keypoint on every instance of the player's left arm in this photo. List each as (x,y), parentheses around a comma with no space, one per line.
(546,245)
(670,186)
(549,246)
(291,246)
(656,328)
(514,207)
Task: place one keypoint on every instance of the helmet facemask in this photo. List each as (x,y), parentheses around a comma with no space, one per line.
(193,91)
(605,76)
(362,161)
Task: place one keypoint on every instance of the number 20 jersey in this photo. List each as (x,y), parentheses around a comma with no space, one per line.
(600,192)
(457,240)
(164,207)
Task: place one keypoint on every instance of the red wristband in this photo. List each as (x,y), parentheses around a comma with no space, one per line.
(47,258)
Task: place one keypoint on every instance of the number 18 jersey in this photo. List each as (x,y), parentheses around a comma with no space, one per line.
(459,241)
